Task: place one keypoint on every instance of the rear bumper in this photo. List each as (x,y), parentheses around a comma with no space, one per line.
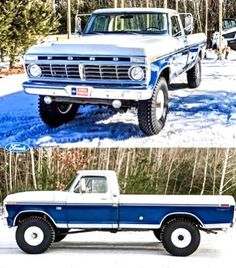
(95,92)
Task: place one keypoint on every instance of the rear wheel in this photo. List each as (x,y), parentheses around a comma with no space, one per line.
(180,237)
(59,237)
(157,233)
(60,234)
(152,113)
(194,75)
(56,113)
(34,235)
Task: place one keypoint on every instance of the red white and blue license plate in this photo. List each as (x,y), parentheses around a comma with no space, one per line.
(80,91)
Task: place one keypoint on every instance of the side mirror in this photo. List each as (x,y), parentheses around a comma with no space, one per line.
(187,20)
(78,25)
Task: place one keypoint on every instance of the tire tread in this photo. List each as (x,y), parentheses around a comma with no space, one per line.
(192,75)
(50,115)
(36,249)
(169,246)
(147,121)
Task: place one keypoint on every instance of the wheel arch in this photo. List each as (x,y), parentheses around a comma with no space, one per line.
(28,213)
(165,72)
(184,215)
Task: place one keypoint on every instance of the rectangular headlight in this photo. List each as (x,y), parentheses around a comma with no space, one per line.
(138,59)
(31,57)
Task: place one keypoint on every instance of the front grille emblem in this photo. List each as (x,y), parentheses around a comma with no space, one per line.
(91,58)
(70,58)
(49,58)
(115,59)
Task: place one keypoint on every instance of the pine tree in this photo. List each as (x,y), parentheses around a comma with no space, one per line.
(26,22)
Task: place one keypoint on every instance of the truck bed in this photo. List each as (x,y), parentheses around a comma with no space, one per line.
(144,211)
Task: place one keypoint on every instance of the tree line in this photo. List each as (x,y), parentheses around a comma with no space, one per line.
(199,8)
(22,24)
(146,171)
(26,22)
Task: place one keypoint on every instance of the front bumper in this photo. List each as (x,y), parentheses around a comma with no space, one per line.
(95,92)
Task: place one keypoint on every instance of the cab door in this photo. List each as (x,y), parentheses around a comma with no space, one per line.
(90,204)
(179,58)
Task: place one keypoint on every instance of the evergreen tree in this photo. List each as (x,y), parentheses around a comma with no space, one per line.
(24,23)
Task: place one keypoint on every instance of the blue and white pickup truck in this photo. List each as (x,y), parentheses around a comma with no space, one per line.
(124,58)
(92,202)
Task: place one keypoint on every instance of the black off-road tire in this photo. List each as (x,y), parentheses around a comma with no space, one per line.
(59,237)
(157,233)
(60,234)
(51,114)
(149,123)
(194,75)
(43,225)
(184,230)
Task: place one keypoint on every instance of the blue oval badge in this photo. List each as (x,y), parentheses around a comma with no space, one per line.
(17,147)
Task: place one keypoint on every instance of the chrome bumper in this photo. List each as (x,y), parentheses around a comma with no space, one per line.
(54,90)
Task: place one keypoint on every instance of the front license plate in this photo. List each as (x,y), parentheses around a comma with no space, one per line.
(80,91)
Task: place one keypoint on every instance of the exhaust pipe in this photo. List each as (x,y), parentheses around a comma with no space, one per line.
(116,104)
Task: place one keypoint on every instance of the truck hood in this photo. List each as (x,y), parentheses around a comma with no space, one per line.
(111,45)
(36,197)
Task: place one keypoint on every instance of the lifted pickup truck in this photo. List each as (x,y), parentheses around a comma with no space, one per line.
(92,202)
(125,58)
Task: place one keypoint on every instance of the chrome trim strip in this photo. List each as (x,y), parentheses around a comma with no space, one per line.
(140,226)
(182,213)
(92,225)
(170,205)
(60,204)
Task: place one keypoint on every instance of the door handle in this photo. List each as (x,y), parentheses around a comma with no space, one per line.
(103,198)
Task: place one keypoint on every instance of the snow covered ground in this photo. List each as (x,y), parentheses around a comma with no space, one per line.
(98,249)
(197,118)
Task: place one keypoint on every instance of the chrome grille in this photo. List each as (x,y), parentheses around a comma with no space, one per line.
(87,72)
(60,70)
(106,72)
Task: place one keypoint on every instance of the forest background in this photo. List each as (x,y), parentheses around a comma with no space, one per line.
(24,23)
(146,171)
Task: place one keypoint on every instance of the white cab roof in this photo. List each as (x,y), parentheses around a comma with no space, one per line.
(135,10)
(96,172)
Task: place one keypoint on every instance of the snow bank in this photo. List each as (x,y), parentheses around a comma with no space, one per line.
(202,117)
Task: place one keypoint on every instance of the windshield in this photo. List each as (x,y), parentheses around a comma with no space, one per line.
(229,23)
(144,23)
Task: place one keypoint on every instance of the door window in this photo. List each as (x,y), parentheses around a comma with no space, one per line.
(88,184)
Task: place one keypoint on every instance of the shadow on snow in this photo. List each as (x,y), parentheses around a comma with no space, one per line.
(19,120)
